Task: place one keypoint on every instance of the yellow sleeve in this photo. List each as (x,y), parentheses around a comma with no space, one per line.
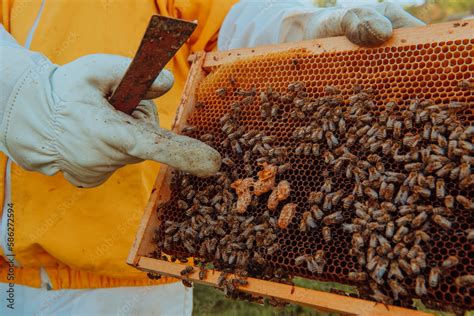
(209,13)
(5,10)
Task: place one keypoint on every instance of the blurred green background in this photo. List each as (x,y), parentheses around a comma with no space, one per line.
(210,301)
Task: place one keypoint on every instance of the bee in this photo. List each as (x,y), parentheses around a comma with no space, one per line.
(327,204)
(465,202)
(426,131)
(382,298)
(375,146)
(373,241)
(317,134)
(300,260)
(397,129)
(236,148)
(274,110)
(351,228)
(388,191)
(300,149)
(405,266)
(334,218)
(182,205)
(388,206)
(380,269)
(397,250)
(202,273)
(357,276)
(421,191)
(341,124)
(338,164)
(387,146)
(404,220)
(440,189)
(465,84)
(442,221)
(468,132)
(286,215)
(373,174)
(464,280)
(445,170)
(468,159)
(328,157)
(272,249)
(450,262)
(357,241)
(401,231)
(414,166)
(362,131)
(327,185)
(316,212)
(434,276)
(360,212)
(411,140)
(315,150)
(307,149)
(316,197)
(358,190)
(336,197)
(187,270)
(284,168)
(245,93)
(347,201)
(419,220)
(470,234)
(397,289)
(420,286)
(331,140)
(402,195)
(327,234)
(222,92)
(187,283)
(330,90)
(188,130)
(421,236)
(389,229)
(394,271)
(442,141)
(307,221)
(466,182)
(264,97)
(371,193)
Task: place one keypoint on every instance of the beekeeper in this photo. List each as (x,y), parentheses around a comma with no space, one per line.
(64,248)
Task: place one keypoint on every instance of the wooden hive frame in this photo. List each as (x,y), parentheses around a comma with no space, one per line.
(203,63)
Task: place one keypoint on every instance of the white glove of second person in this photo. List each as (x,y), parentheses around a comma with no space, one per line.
(252,23)
(58,119)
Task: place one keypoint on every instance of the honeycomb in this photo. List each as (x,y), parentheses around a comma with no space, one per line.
(430,71)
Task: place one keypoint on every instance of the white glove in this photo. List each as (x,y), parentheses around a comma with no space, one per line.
(58,119)
(252,23)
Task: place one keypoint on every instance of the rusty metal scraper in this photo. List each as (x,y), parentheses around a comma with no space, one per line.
(163,37)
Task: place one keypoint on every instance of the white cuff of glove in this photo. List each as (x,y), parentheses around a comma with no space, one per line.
(58,119)
(252,23)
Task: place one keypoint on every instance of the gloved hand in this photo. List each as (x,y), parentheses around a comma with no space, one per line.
(252,23)
(58,119)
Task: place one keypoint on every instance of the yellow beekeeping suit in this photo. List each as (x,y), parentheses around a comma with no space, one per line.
(81,237)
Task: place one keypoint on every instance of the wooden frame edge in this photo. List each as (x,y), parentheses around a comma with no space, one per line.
(160,193)
(203,61)
(323,301)
(401,37)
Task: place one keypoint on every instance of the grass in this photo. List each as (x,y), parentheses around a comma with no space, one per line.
(210,301)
